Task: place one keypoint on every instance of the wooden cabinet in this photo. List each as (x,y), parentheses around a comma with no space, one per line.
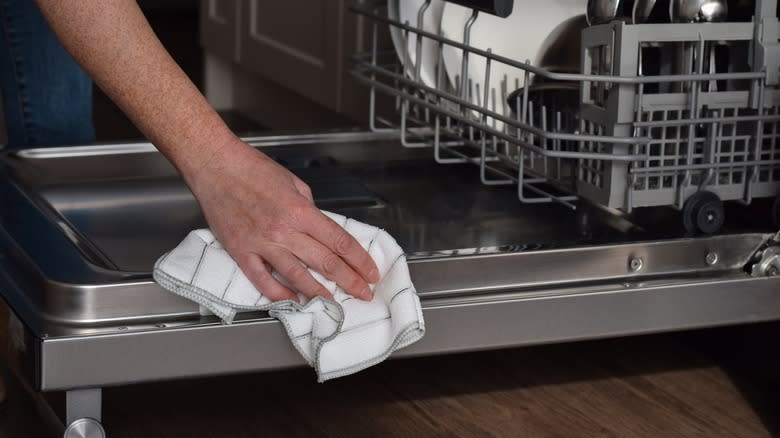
(303,46)
(297,44)
(219,30)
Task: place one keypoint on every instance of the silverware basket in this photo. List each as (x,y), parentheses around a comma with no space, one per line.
(653,117)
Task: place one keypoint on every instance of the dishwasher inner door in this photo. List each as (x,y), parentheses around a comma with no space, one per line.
(81,228)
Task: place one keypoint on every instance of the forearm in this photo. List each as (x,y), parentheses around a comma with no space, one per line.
(113,42)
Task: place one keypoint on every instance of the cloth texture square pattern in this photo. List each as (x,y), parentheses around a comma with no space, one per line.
(337,337)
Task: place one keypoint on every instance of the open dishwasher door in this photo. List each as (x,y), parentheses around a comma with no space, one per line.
(81,228)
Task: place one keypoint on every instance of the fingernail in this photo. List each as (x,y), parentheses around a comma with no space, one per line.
(367,295)
(373,275)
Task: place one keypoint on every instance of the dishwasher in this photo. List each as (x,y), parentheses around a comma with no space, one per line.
(563,231)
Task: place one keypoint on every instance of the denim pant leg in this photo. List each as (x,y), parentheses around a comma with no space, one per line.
(47,97)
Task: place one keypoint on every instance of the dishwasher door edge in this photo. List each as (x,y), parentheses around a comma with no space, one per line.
(452,325)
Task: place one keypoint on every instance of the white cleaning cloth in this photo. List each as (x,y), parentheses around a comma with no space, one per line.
(337,337)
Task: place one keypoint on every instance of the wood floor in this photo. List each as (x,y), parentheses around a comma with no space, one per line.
(715,383)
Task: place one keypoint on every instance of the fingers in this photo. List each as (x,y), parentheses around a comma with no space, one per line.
(331,265)
(291,268)
(257,272)
(340,242)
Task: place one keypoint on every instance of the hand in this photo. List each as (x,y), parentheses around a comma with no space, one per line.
(265,217)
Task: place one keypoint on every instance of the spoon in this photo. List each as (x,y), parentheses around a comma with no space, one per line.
(642,10)
(697,11)
(602,11)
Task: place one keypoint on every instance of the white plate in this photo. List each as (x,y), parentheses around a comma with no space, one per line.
(396,33)
(406,11)
(518,37)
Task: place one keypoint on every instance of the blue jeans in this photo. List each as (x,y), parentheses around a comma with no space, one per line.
(47,97)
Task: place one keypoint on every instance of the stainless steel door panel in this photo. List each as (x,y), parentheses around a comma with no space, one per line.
(177,350)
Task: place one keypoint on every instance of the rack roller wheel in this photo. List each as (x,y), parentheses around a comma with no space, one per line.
(776,212)
(703,213)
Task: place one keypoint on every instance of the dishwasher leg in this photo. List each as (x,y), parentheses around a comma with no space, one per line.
(82,414)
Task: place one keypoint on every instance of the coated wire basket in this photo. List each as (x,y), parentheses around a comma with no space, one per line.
(625,131)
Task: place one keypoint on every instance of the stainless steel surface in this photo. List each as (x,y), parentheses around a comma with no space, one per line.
(602,11)
(84,428)
(535,270)
(461,323)
(83,403)
(80,230)
(642,10)
(691,11)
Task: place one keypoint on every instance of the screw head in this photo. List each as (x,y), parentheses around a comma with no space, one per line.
(711,258)
(636,264)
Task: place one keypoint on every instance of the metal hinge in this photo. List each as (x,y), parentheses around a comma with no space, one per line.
(766,261)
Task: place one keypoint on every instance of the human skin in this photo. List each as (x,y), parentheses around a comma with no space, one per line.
(262,214)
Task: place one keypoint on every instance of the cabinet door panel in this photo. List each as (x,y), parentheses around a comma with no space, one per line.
(296,43)
(220,27)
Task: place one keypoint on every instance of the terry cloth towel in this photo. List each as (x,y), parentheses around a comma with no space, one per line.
(337,337)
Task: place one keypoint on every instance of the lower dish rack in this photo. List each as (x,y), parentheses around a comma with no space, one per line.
(618,132)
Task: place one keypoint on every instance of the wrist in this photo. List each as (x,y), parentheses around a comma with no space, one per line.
(219,152)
